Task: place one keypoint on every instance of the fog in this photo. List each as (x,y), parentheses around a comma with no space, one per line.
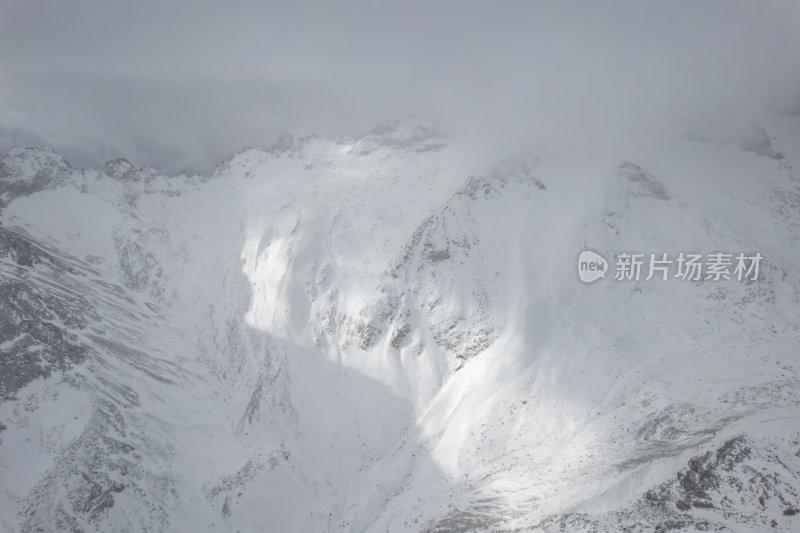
(179,85)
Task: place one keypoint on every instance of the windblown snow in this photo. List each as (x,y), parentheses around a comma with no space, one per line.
(371,334)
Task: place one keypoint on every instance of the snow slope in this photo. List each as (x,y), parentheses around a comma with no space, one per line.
(369,334)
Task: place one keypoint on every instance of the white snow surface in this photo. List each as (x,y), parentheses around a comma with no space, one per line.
(369,334)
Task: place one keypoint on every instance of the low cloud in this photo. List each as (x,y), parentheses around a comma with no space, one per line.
(179,85)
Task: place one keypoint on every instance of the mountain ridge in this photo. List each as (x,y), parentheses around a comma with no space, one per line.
(372,331)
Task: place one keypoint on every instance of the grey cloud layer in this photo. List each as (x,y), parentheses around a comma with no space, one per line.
(178,85)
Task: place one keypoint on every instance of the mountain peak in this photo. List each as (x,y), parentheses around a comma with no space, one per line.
(119,168)
(31,161)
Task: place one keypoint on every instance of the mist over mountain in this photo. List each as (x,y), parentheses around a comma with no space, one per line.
(178,86)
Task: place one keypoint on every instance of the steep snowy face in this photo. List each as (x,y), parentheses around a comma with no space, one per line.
(368,334)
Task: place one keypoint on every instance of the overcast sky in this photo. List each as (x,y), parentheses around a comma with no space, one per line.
(180,84)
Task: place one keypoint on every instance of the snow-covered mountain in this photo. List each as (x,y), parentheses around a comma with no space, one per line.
(370,334)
